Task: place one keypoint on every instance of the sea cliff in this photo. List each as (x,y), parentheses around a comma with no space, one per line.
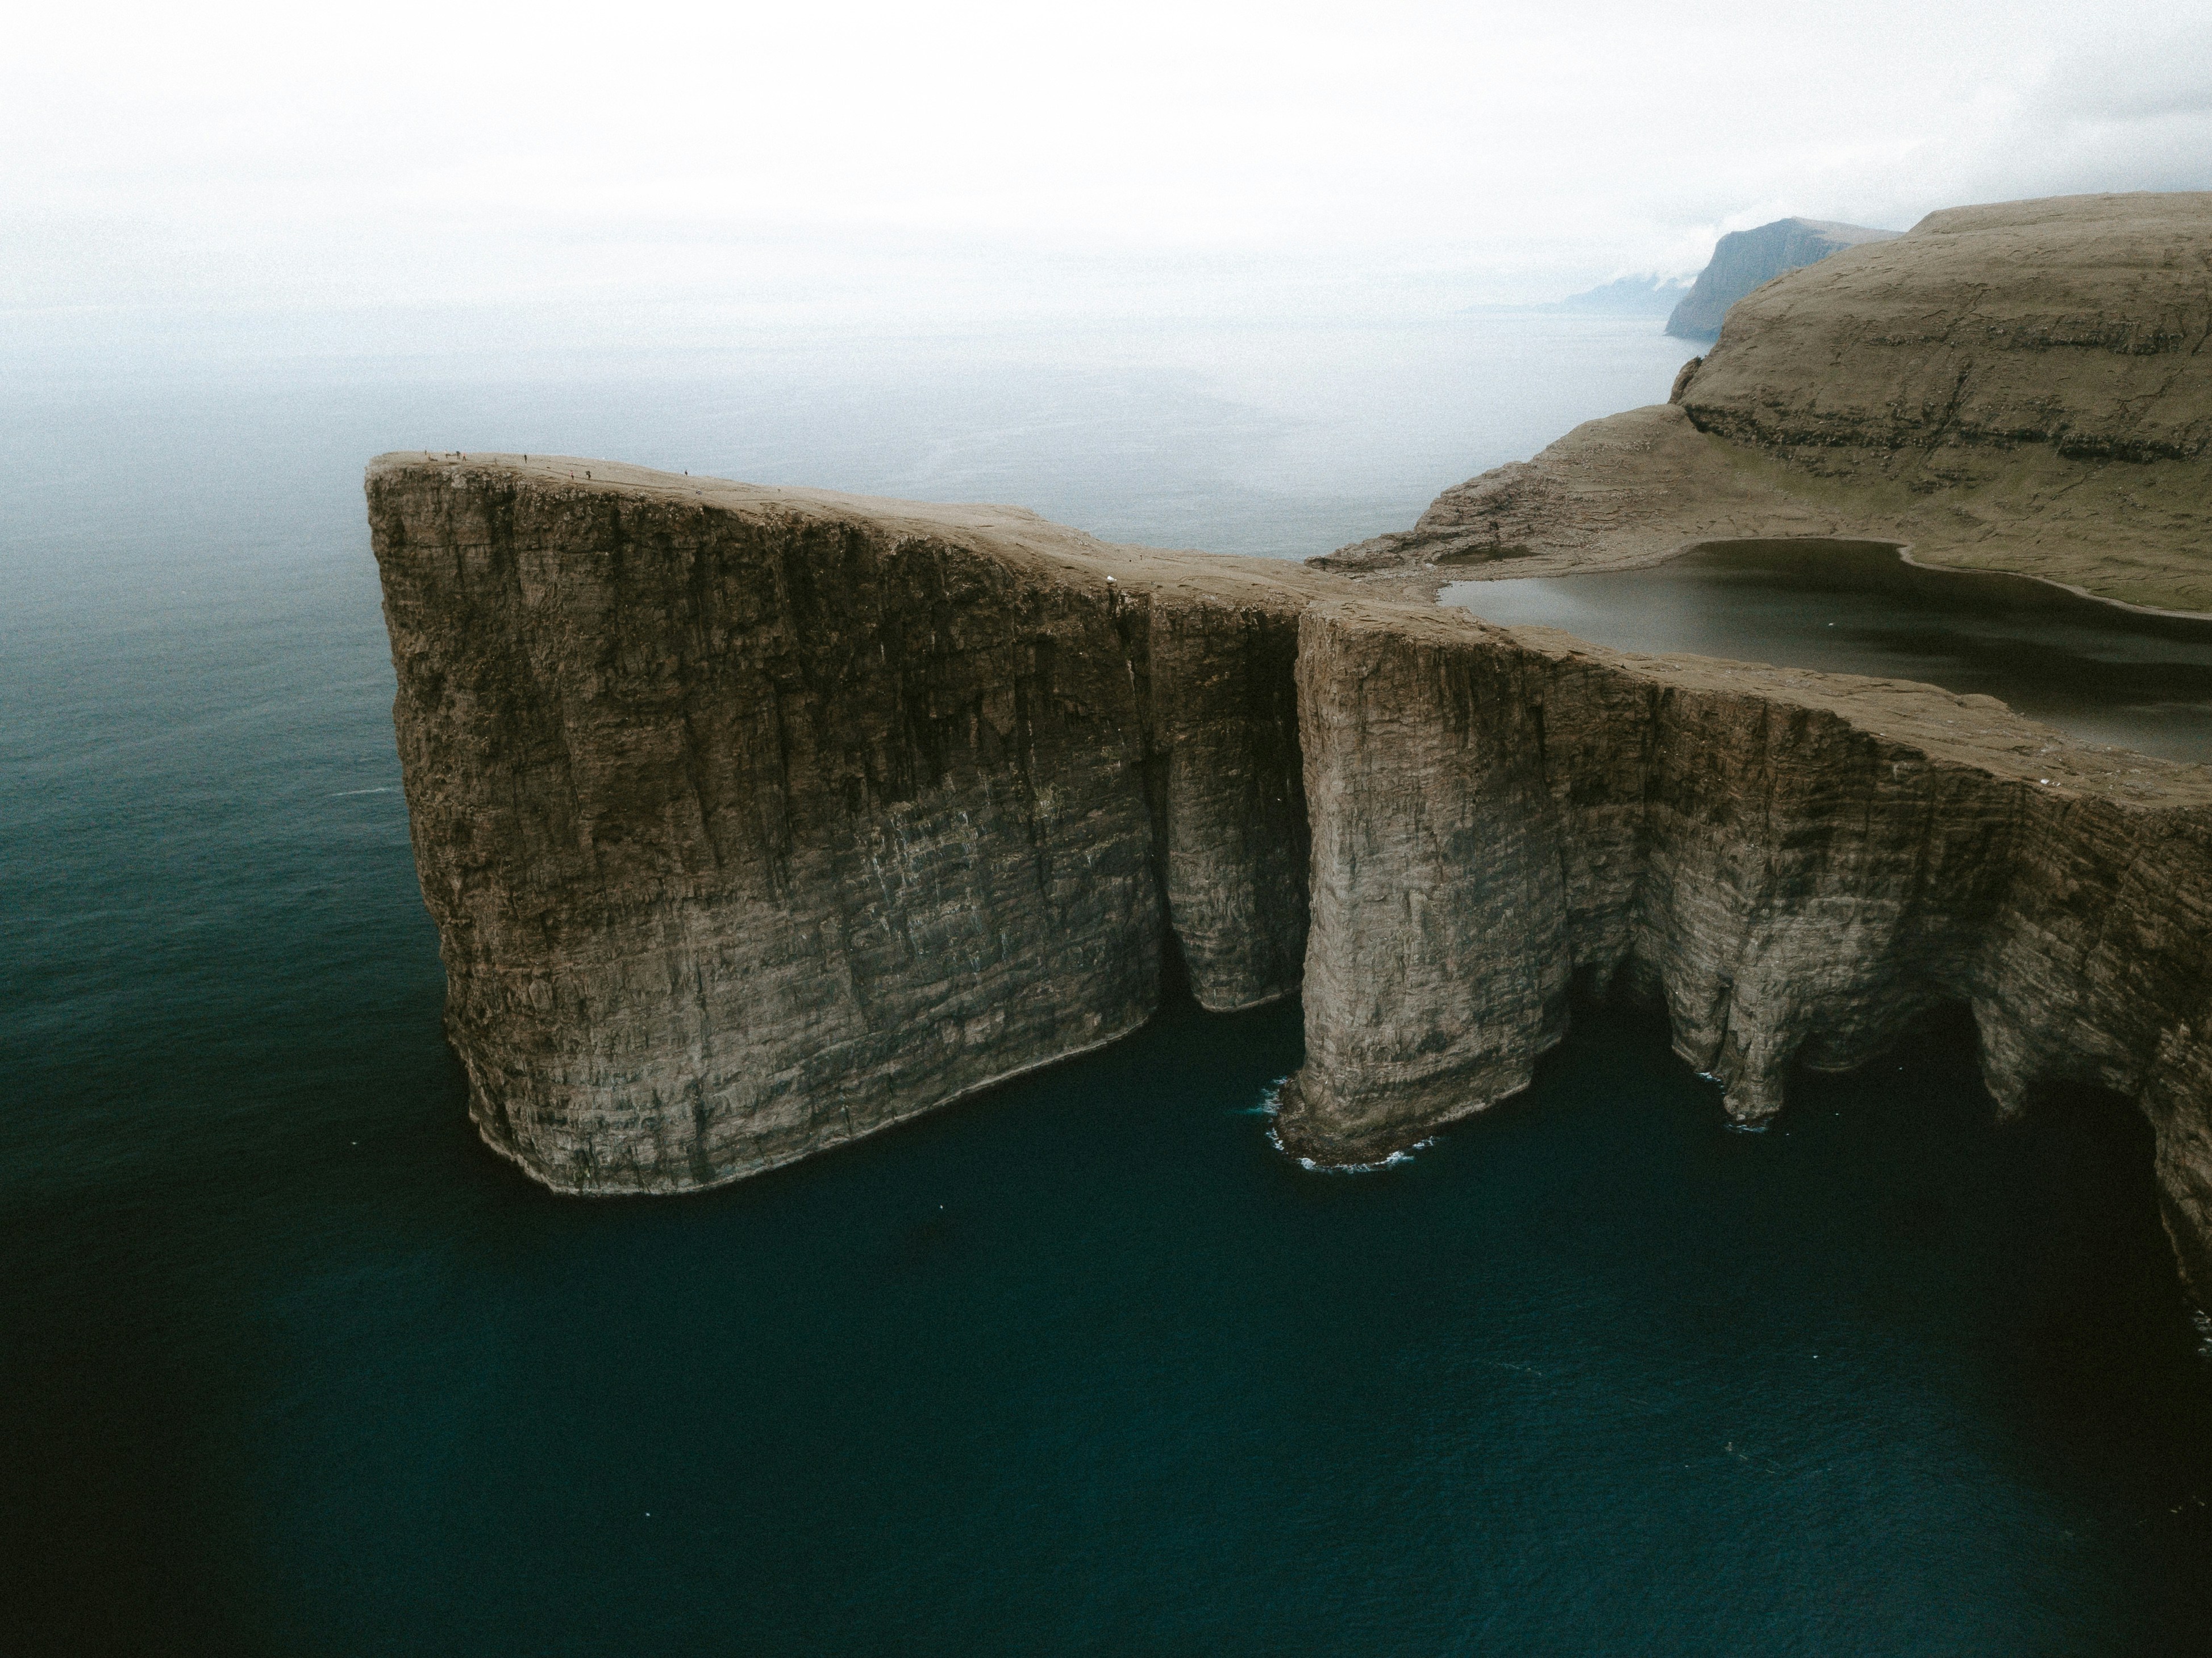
(755,820)
(1743,259)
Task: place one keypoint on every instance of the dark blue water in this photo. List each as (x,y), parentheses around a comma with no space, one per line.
(288,1363)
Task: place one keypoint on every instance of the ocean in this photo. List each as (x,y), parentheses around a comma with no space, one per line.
(289,1363)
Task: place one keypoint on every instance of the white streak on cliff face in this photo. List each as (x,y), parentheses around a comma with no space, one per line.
(1801,865)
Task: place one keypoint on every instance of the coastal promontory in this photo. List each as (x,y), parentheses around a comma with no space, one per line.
(757,820)
(754,820)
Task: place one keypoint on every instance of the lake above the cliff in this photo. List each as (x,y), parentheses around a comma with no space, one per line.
(2098,672)
(290,1363)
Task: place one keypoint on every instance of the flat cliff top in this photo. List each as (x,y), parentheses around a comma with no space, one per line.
(1978,732)
(1835,230)
(2021,386)
(1012,532)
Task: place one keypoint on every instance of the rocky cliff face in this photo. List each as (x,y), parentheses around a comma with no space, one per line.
(1799,865)
(753,821)
(1743,259)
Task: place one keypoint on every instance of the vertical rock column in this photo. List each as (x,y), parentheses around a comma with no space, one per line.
(1437,965)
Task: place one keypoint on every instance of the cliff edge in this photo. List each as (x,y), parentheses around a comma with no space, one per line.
(753,821)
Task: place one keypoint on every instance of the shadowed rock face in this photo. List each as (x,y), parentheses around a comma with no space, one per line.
(753,821)
(1800,865)
(1743,259)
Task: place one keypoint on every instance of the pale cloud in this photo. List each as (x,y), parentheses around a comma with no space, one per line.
(893,161)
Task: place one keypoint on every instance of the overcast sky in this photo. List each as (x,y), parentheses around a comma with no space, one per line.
(689,166)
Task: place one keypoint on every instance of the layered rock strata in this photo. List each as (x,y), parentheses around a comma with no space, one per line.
(1799,865)
(2076,324)
(2019,387)
(753,820)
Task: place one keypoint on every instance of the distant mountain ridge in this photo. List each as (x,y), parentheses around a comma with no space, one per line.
(1745,259)
(1629,296)
(1645,295)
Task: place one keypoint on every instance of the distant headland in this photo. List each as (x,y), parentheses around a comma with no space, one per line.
(1745,259)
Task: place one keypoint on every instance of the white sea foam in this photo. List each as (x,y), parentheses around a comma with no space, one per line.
(1271,1105)
(1396,1159)
(1271,1100)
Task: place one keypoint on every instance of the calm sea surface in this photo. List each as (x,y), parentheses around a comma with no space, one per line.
(288,1363)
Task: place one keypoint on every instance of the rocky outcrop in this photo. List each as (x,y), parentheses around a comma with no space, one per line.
(1745,259)
(2016,387)
(1799,866)
(753,821)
